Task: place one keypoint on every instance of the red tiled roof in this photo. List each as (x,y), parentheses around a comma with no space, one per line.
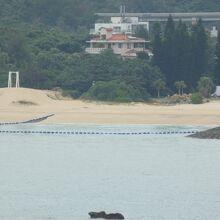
(136,38)
(118,37)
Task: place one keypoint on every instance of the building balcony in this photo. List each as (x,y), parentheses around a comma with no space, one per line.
(94,50)
(139,49)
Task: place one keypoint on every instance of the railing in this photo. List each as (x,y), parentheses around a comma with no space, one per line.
(139,49)
(94,50)
(120,51)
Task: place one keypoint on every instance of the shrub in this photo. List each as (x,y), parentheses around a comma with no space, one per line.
(206,86)
(115,91)
(72,93)
(196,98)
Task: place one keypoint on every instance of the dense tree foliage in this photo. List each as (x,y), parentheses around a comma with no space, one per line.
(217,63)
(45,41)
(206,86)
(70,14)
(182,52)
(50,58)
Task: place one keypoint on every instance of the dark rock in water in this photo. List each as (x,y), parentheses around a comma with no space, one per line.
(97,214)
(209,134)
(114,216)
(106,216)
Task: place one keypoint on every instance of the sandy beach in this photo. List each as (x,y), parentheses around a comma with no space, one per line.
(24,104)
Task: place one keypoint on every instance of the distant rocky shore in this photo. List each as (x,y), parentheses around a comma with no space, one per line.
(103,215)
(209,134)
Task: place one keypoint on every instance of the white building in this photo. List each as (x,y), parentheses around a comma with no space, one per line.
(214,32)
(217,92)
(121,44)
(127,25)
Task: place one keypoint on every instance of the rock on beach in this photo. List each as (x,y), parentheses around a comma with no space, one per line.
(208,134)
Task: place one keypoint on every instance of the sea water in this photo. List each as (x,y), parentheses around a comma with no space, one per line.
(152,177)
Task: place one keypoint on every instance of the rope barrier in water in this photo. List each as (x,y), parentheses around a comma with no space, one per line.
(35,120)
(95,133)
(82,132)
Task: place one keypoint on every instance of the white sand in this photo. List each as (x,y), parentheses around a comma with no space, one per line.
(76,111)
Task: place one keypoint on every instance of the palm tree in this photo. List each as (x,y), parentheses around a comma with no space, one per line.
(183,86)
(180,85)
(159,85)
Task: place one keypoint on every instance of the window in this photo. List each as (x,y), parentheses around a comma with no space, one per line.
(120,45)
(142,45)
(129,46)
(139,45)
(103,37)
(129,27)
(136,45)
(98,45)
(117,29)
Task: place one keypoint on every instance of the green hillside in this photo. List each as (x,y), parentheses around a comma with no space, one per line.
(45,41)
(70,14)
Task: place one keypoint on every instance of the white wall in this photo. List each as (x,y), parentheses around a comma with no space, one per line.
(125,26)
(117,20)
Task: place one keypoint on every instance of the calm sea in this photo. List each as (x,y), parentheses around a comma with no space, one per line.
(144,177)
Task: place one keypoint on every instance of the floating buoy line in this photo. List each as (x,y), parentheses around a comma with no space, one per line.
(95,133)
(36,120)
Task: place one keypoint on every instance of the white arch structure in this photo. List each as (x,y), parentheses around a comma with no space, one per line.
(17,83)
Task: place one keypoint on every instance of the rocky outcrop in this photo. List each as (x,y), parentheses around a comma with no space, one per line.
(103,215)
(209,134)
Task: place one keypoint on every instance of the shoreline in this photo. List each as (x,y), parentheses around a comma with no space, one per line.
(40,103)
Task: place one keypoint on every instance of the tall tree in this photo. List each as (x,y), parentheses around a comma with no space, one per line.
(199,52)
(182,48)
(180,85)
(168,52)
(217,64)
(159,85)
(157,45)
